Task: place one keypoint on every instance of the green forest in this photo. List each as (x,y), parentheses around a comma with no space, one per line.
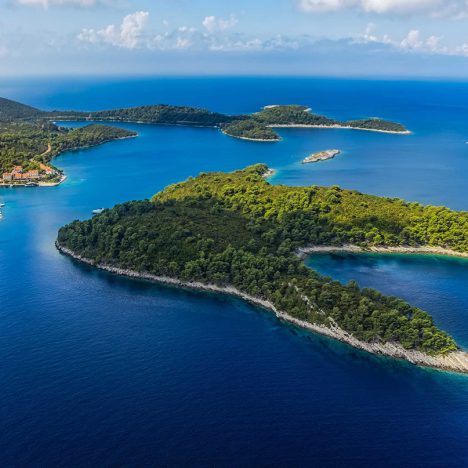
(12,110)
(237,229)
(258,125)
(25,129)
(156,114)
(255,126)
(250,129)
(26,143)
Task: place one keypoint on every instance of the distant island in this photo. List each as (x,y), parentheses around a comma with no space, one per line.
(296,116)
(237,234)
(256,127)
(321,156)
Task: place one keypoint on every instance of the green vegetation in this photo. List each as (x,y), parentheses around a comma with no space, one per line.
(291,115)
(91,135)
(258,126)
(158,114)
(237,229)
(254,127)
(25,131)
(250,129)
(11,110)
(376,124)
(27,143)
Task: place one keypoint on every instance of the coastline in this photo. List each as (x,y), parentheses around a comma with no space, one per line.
(269,173)
(403,249)
(340,127)
(63,177)
(53,184)
(321,156)
(456,361)
(262,140)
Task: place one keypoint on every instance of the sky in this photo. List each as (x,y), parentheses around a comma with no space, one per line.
(391,38)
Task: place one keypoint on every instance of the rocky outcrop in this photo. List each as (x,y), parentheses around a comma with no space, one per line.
(321,156)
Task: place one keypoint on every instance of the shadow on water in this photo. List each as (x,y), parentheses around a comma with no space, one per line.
(327,348)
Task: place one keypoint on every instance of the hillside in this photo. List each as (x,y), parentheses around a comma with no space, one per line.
(12,110)
(155,114)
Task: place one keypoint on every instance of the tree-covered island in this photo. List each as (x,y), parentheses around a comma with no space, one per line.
(256,127)
(239,234)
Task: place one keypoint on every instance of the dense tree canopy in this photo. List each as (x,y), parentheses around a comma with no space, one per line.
(255,126)
(237,229)
(27,144)
(157,114)
(250,129)
(12,110)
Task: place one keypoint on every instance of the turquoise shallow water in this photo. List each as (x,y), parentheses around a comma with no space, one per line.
(98,369)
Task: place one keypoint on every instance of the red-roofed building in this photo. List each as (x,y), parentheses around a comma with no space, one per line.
(33,174)
(47,169)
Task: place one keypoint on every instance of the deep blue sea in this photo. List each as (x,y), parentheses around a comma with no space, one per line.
(101,370)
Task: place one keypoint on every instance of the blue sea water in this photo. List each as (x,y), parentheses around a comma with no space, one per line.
(101,370)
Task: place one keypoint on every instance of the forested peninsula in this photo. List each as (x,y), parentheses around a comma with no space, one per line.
(238,234)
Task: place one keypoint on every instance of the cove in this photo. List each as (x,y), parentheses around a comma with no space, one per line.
(432,282)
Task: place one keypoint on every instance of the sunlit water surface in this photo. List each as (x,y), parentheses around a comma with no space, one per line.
(97,369)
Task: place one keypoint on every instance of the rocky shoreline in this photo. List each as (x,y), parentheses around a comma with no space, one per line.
(262,140)
(340,127)
(269,173)
(321,156)
(403,249)
(63,178)
(455,361)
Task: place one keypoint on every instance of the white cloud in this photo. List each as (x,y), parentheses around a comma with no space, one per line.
(432,44)
(127,35)
(49,3)
(414,41)
(434,8)
(131,34)
(214,24)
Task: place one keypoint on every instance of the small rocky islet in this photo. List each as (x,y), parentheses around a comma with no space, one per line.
(321,156)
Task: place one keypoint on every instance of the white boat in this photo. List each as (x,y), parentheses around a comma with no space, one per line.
(98,211)
(2,205)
